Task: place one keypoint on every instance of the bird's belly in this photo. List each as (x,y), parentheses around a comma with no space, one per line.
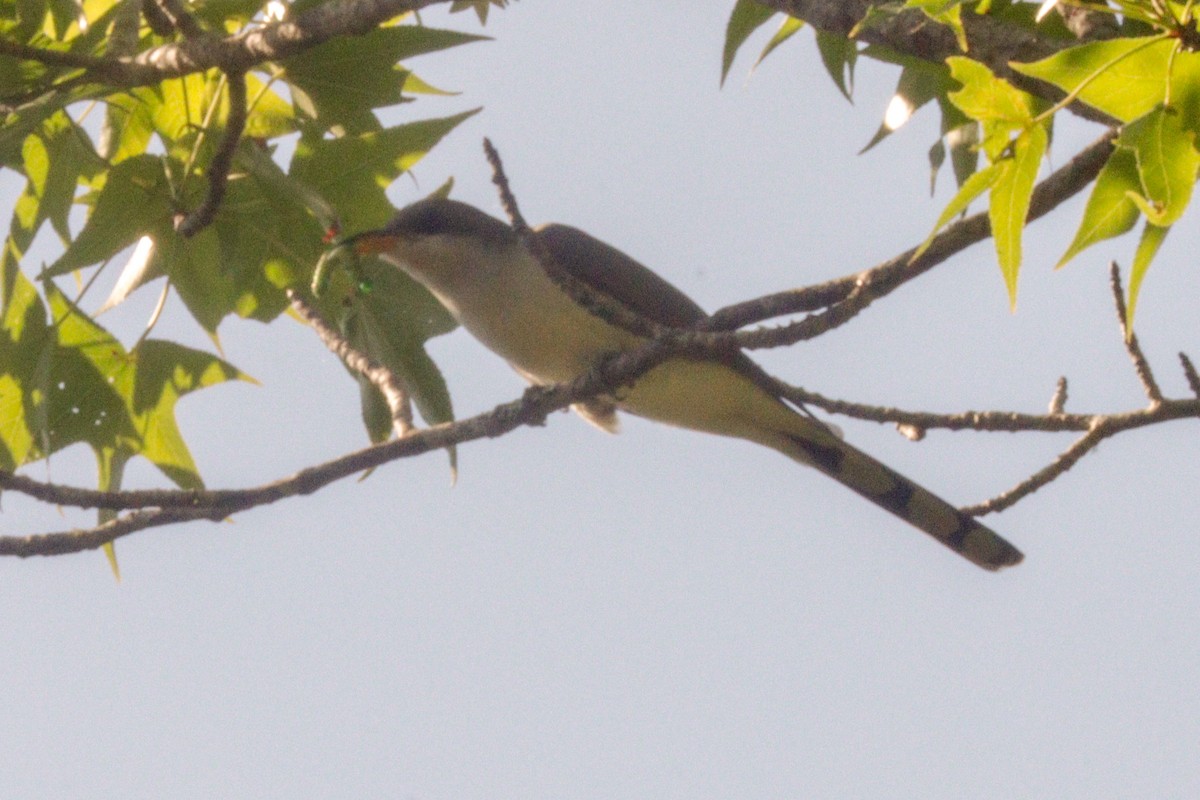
(707,396)
(545,343)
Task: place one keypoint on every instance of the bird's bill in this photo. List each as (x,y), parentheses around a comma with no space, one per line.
(371,243)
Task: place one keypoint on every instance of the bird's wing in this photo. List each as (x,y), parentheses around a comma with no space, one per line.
(606,269)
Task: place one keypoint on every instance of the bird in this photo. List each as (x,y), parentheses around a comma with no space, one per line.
(482,270)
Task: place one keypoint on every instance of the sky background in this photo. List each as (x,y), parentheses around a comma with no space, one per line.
(657,614)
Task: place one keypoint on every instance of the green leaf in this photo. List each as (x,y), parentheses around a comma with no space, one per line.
(1125,78)
(135,199)
(1151,239)
(1001,108)
(389,316)
(1167,163)
(747,17)
(480,7)
(55,159)
(269,114)
(127,126)
(974,186)
(260,242)
(122,403)
(25,341)
(963,142)
(177,109)
(352,172)
(1185,88)
(947,12)
(1109,211)
(340,81)
(786,31)
(1009,206)
(918,84)
(839,55)
(937,157)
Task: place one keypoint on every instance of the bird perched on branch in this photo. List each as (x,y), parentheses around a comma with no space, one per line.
(482,270)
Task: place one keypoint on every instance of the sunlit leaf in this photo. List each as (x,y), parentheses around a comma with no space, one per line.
(25,344)
(122,403)
(1122,77)
(786,31)
(974,186)
(352,172)
(1000,107)
(947,12)
(1109,211)
(1151,239)
(1167,163)
(1009,203)
(135,199)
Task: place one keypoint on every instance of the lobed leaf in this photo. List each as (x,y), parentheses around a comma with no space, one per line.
(1109,211)
(971,189)
(1167,163)
(1125,78)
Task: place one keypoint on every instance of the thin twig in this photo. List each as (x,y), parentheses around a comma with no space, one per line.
(1189,372)
(507,199)
(1058,400)
(179,17)
(222,160)
(603,306)
(1066,459)
(1140,365)
(383,378)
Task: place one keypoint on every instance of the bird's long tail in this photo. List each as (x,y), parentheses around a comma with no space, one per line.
(892,491)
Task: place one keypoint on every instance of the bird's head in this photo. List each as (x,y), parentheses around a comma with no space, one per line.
(435,234)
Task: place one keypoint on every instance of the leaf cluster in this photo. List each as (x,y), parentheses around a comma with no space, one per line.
(1145,80)
(115,172)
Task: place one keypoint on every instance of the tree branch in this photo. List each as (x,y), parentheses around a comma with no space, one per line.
(222,160)
(881,280)
(992,41)
(238,52)
(606,308)
(383,378)
(1140,365)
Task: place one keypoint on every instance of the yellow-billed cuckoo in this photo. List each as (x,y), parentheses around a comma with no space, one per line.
(479,269)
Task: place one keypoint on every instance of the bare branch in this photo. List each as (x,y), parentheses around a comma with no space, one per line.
(239,52)
(222,160)
(178,16)
(1189,371)
(531,409)
(74,541)
(1064,183)
(507,199)
(52,58)
(1064,462)
(1059,399)
(993,41)
(1140,365)
(606,308)
(383,378)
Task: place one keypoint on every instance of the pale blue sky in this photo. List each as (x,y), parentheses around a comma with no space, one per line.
(658,614)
